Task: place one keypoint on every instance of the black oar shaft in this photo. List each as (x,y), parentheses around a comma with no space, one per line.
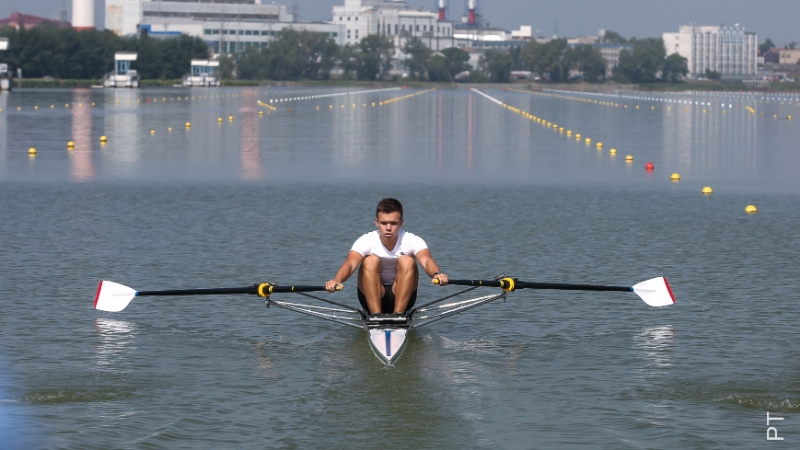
(530,285)
(238,290)
(217,291)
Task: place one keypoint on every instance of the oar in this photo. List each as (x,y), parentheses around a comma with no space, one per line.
(114,297)
(654,292)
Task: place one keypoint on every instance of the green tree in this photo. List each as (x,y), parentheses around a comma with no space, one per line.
(439,69)
(348,60)
(643,64)
(675,68)
(612,37)
(374,57)
(551,60)
(589,61)
(227,67)
(497,65)
(457,60)
(791,45)
(713,75)
(766,46)
(418,58)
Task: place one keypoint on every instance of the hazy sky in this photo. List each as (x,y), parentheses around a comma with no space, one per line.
(776,19)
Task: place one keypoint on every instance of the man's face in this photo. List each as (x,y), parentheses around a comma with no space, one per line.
(389,224)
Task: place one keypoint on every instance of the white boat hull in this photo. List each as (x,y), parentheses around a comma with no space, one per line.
(387,342)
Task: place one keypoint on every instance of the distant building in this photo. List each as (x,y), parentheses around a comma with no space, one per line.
(525,33)
(611,54)
(789,56)
(227,27)
(393,19)
(27,21)
(731,51)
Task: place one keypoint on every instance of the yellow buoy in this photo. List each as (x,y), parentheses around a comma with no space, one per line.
(188,124)
(66,105)
(629,158)
(599,145)
(569,132)
(152,131)
(230,118)
(70,144)
(103,139)
(588,140)
(613,151)
(261,113)
(577,135)
(31,151)
(788,117)
(169,129)
(52,106)
(373,103)
(219,119)
(37,107)
(675,177)
(751,209)
(707,190)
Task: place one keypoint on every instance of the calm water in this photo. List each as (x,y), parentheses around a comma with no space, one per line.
(281,196)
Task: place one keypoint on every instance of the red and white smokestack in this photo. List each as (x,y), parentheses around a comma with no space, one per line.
(471,5)
(442,10)
(83,15)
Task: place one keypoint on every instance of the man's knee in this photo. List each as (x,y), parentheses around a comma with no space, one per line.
(371,263)
(406,263)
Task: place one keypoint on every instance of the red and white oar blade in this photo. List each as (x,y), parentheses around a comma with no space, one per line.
(113,297)
(655,292)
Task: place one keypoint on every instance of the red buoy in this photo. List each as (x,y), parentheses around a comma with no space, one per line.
(649,167)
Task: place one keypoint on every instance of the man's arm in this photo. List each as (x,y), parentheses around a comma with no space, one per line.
(430,267)
(350,265)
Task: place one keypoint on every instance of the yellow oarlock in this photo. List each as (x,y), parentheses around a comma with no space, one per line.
(507,284)
(264,290)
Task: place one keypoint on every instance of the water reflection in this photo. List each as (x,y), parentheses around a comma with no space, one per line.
(470,127)
(654,346)
(82,168)
(116,342)
(3,130)
(710,139)
(251,140)
(122,117)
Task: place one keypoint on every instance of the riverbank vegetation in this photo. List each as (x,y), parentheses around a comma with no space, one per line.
(47,51)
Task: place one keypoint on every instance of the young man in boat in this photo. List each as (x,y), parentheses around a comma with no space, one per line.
(386,260)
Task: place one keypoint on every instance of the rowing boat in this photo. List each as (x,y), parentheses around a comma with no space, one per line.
(387,334)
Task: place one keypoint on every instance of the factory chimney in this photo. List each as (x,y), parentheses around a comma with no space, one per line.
(471,5)
(83,15)
(442,6)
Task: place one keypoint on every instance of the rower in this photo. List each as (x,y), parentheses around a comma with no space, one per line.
(386,260)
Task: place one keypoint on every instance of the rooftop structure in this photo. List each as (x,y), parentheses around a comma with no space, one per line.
(27,21)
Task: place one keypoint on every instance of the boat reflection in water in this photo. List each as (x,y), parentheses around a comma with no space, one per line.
(122,116)
(81,165)
(251,139)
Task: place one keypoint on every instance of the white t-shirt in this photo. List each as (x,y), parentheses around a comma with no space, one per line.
(407,244)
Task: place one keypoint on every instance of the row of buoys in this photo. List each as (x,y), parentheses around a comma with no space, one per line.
(397,99)
(147,100)
(649,166)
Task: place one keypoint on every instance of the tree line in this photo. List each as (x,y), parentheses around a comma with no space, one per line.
(295,55)
(64,53)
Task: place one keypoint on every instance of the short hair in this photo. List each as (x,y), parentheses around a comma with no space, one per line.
(389,205)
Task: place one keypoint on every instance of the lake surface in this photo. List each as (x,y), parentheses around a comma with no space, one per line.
(281,196)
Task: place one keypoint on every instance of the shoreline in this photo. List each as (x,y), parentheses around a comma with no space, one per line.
(610,87)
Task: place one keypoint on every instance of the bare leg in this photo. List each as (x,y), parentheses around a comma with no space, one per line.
(369,281)
(405,282)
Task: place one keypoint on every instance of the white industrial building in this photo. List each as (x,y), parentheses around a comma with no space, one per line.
(227,27)
(393,19)
(731,51)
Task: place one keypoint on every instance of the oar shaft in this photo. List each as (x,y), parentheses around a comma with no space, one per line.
(217,291)
(238,290)
(530,285)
